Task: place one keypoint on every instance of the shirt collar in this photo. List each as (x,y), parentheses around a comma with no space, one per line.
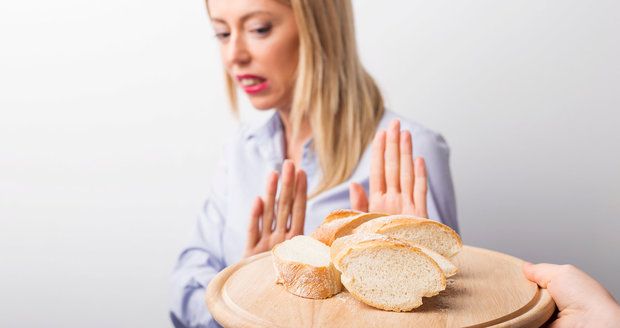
(269,137)
(267,129)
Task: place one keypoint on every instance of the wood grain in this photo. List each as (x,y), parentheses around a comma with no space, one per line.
(489,291)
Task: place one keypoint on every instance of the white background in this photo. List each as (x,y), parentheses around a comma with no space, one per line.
(113,114)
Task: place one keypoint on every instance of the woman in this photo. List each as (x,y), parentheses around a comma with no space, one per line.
(299,57)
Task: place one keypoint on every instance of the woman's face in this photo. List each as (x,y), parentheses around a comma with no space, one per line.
(259,45)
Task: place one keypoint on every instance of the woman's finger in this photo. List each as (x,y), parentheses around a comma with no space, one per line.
(407,176)
(298,216)
(357,196)
(392,157)
(285,201)
(420,186)
(253,228)
(269,202)
(377,169)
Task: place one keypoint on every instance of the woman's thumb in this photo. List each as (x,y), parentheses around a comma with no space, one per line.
(357,196)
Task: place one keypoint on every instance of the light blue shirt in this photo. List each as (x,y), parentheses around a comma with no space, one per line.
(221,230)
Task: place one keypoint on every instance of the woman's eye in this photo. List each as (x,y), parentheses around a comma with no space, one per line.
(263,30)
(222,35)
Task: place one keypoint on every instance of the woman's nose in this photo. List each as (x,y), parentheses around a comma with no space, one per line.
(237,52)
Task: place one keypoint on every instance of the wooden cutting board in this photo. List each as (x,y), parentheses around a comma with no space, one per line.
(489,291)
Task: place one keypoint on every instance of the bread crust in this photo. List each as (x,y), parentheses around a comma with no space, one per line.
(339,214)
(346,242)
(387,244)
(328,231)
(305,280)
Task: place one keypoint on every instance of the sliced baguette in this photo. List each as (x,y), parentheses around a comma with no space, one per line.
(388,274)
(424,232)
(303,266)
(335,226)
(448,268)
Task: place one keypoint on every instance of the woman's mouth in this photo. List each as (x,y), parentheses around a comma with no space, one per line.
(252,84)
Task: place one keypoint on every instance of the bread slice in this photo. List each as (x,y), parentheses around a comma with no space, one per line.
(341,224)
(424,232)
(350,240)
(388,274)
(303,266)
(448,268)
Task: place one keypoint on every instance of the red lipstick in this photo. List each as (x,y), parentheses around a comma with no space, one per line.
(252,84)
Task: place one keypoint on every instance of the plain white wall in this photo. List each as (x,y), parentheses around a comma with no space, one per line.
(113,112)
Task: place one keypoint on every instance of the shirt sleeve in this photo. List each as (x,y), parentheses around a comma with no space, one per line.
(200,261)
(441,201)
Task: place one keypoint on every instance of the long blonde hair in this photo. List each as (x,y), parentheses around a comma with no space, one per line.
(340,100)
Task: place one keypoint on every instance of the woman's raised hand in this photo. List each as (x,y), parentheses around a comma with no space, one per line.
(397,181)
(272,223)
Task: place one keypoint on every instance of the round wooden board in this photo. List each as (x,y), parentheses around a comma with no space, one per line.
(489,291)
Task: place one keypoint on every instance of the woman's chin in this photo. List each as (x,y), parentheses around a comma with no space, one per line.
(263,102)
(262,105)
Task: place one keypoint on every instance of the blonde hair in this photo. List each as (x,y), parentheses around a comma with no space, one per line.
(340,100)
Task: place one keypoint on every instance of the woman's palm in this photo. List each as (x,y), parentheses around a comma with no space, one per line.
(397,181)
